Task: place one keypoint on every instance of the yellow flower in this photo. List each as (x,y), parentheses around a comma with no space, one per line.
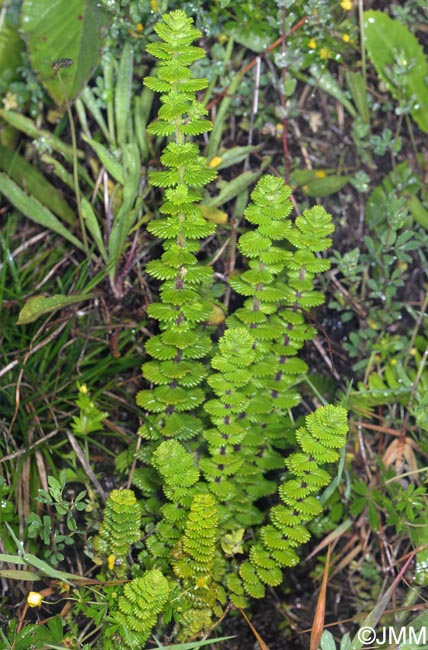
(83,389)
(202,583)
(110,562)
(325,53)
(320,173)
(34,599)
(10,102)
(154,5)
(312,44)
(347,5)
(139,27)
(346,38)
(214,162)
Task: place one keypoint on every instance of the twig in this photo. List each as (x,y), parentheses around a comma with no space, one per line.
(17,454)
(85,464)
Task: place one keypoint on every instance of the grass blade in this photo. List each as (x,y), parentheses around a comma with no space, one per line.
(37,306)
(28,127)
(35,183)
(123,92)
(34,210)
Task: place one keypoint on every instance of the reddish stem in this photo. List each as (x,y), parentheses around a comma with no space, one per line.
(252,63)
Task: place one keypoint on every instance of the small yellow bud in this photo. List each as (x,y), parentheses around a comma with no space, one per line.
(10,102)
(202,583)
(347,5)
(413,352)
(312,44)
(346,38)
(34,599)
(110,562)
(139,27)
(216,316)
(279,130)
(325,53)
(214,162)
(393,362)
(154,5)
(320,173)
(374,325)
(83,389)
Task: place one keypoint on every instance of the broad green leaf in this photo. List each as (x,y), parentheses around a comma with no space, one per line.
(321,187)
(112,165)
(91,103)
(63,29)
(255,42)
(93,227)
(35,183)
(233,156)
(213,214)
(27,126)
(357,86)
(234,187)
(34,210)
(142,107)
(327,641)
(392,49)
(328,84)
(345,642)
(36,306)
(305,176)
(123,93)
(130,208)
(418,211)
(11,44)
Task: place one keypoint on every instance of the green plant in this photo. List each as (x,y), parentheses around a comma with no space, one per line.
(142,601)
(400,62)
(374,276)
(119,530)
(328,642)
(236,415)
(106,228)
(47,527)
